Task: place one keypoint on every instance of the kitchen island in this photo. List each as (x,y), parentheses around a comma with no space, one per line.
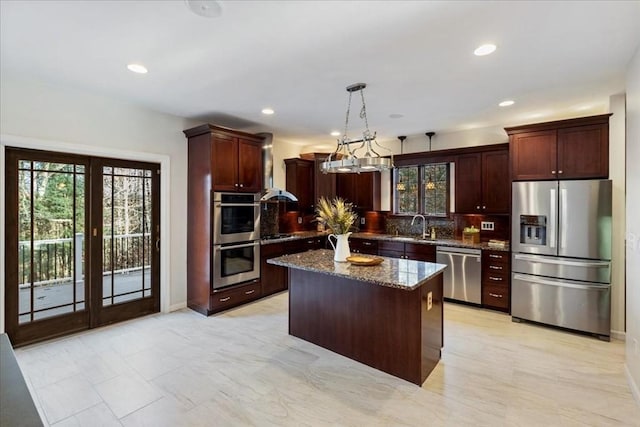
(387,316)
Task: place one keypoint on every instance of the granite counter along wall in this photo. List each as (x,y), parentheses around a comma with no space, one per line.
(402,226)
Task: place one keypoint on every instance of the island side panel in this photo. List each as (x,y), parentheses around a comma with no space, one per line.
(432,324)
(376,325)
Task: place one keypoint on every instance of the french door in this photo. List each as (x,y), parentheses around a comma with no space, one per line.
(82,242)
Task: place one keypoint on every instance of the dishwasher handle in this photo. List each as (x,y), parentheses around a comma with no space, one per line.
(459,251)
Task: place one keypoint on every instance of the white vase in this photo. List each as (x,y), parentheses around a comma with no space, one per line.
(341,247)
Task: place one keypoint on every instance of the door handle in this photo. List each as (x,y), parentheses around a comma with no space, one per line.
(158,244)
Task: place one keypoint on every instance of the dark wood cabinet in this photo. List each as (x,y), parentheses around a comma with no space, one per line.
(482,182)
(496,288)
(236,157)
(299,182)
(565,149)
(363,246)
(275,278)
(218,159)
(231,297)
(307,182)
(404,250)
(363,190)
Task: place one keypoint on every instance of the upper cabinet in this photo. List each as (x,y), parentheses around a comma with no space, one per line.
(307,182)
(565,149)
(361,189)
(482,182)
(236,157)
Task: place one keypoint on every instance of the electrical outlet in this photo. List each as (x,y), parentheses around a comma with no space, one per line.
(299,220)
(486,225)
(429,301)
(362,221)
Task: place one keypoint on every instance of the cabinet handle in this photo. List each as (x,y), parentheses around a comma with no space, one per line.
(495,267)
(495,295)
(250,292)
(497,279)
(484,207)
(495,256)
(225,299)
(553,172)
(236,185)
(559,171)
(367,243)
(241,185)
(478,207)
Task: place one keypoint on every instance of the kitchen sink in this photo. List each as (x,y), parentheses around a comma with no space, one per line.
(404,238)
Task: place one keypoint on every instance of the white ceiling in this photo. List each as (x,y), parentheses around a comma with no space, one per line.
(555,59)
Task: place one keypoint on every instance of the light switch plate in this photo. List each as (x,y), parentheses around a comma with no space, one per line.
(299,220)
(486,225)
(362,221)
(429,301)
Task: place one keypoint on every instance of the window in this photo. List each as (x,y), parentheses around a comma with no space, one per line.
(422,189)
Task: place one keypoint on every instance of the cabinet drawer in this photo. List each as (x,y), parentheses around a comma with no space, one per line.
(495,277)
(496,296)
(231,297)
(495,257)
(385,245)
(364,246)
(391,254)
(420,252)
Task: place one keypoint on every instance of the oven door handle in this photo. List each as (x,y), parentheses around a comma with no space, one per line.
(248,245)
(236,205)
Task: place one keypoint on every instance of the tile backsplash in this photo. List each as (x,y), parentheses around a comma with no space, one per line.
(402,226)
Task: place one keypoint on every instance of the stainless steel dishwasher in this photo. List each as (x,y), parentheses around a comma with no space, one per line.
(462,280)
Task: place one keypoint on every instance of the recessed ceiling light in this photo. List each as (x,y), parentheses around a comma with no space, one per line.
(335,133)
(205,8)
(267,111)
(137,68)
(485,49)
(506,103)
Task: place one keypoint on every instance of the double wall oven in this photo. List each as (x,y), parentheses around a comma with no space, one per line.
(236,238)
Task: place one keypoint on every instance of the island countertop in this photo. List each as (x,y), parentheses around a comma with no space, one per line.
(392,272)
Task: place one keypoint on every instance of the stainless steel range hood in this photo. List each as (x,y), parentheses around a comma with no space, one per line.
(271,193)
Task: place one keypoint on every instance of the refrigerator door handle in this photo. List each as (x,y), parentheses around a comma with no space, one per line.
(563,218)
(553,202)
(540,281)
(535,259)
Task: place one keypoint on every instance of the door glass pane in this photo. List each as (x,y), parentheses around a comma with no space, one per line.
(126,235)
(51,239)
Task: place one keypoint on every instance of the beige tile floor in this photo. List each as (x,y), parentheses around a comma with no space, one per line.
(242,368)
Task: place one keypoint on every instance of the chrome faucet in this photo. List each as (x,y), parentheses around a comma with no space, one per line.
(424,224)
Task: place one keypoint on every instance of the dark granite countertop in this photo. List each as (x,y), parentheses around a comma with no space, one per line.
(437,242)
(392,272)
(388,237)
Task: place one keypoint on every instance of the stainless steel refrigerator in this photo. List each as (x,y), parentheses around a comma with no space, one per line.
(561,254)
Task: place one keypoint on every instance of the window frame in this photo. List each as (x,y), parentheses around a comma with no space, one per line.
(422,179)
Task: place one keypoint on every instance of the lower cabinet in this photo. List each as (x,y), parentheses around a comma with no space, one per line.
(275,278)
(230,297)
(414,251)
(496,280)
(363,246)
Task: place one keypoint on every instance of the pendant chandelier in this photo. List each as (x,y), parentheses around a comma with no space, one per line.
(344,159)
(430,185)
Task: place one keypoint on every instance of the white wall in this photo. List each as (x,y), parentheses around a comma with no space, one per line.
(617,150)
(633,225)
(37,115)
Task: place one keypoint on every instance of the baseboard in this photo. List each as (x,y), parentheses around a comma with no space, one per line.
(176,307)
(635,391)
(619,335)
